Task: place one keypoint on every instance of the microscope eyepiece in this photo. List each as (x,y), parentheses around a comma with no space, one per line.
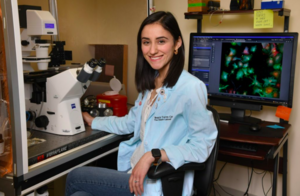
(91,70)
(102,62)
(93,63)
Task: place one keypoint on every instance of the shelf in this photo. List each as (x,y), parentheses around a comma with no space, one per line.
(198,15)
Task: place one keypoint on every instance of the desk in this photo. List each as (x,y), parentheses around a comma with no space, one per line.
(92,145)
(269,148)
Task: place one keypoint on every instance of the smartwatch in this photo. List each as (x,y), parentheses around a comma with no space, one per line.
(157,155)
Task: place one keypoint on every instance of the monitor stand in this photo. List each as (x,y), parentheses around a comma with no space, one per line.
(238,116)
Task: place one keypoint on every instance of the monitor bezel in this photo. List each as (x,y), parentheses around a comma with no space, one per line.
(245,100)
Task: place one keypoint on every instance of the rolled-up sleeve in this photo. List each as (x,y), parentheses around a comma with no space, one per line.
(118,125)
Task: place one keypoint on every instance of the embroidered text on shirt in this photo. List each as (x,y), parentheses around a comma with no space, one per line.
(161,118)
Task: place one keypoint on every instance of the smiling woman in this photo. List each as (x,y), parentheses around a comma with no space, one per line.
(159,39)
(170,121)
(158,48)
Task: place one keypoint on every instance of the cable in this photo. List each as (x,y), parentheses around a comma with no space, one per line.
(249,180)
(220,22)
(262,182)
(259,172)
(216,180)
(271,176)
(220,172)
(223,189)
(213,186)
(218,192)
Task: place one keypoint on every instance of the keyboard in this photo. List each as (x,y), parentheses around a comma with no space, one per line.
(238,145)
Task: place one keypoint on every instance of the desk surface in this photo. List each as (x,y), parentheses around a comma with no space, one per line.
(56,144)
(231,132)
(266,144)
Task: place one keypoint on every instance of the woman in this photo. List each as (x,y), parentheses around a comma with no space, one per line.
(170,121)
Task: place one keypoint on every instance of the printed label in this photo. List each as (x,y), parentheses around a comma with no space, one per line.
(57,151)
(103,101)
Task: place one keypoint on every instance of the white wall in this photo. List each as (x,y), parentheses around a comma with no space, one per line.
(235,176)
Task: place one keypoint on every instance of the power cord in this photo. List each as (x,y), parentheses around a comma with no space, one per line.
(220,22)
(262,182)
(217,192)
(259,172)
(213,187)
(223,189)
(220,172)
(249,180)
(216,181)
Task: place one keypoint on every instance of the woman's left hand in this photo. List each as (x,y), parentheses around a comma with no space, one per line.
(139,172)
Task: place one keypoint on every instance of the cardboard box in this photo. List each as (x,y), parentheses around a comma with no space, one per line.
(202,5)
(197,5)
(272,4)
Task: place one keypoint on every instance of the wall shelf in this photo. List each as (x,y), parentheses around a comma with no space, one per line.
(199,16)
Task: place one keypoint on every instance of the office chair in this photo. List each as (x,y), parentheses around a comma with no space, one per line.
(172,180)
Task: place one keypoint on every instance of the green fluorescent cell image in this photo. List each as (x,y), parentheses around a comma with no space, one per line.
(251,68)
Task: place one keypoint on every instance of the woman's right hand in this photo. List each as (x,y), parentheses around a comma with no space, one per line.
(87,118)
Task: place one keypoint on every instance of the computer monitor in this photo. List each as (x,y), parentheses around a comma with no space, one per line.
(244,71)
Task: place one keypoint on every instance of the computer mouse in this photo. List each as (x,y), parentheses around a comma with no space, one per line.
(254,128)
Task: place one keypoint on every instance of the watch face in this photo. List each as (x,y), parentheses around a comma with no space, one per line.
(156,152)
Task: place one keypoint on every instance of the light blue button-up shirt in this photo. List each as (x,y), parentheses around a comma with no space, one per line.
(179,123)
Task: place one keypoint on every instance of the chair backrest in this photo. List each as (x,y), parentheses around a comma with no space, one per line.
(204,178)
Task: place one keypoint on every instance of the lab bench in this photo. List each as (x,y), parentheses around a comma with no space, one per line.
(58,155)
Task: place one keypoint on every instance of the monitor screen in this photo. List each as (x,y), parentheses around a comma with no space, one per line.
(245,70)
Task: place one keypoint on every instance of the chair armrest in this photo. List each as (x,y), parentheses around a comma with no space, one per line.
(165,169)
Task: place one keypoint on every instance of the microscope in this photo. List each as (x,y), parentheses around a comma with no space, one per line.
(53,97)
(38,23)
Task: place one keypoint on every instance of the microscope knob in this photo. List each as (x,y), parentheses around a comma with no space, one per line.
(94,113)
(108,112)
(24,43)
(42,122)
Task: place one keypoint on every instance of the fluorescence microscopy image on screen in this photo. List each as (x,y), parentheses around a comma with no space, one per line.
(251,69)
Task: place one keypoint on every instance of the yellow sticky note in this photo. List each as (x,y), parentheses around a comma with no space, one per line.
(263,19)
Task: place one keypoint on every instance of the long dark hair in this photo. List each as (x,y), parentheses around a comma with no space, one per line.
(144,73)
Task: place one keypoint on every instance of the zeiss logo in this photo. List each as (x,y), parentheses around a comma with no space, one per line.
(73,105)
